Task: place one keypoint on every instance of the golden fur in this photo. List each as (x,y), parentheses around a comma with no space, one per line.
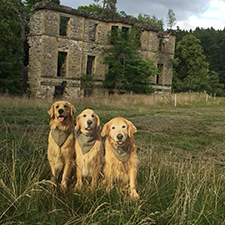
(88,165)
(119,132)
(61,159)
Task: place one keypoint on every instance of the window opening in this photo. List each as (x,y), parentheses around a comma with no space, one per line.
(114,33)
(125,31)
(63,24)
(160,44)
(158,76)
(59,90)
(90,64)
(92,28)
(61,67)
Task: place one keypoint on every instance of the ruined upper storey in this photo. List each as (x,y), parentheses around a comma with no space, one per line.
(66,43)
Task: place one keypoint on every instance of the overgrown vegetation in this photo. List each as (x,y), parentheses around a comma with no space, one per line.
(87,84)
(180,179)
(127,70)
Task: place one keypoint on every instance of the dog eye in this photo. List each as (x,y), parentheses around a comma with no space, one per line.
(113,128)
(92,115)
(123,126)
(57,107)
(65,106)
(84,115)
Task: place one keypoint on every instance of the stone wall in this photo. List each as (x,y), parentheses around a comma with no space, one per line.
(57,60)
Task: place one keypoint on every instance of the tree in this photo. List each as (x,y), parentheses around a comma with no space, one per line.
(213,43)
(93,8)
(215,85)
(191,66)
(147,19)
(108,7)
(127,70)
(11,48)
(171,19)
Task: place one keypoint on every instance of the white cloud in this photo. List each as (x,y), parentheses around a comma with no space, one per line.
(214,17)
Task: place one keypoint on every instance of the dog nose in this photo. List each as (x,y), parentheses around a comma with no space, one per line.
(60,111)
(119,136)
(89,122)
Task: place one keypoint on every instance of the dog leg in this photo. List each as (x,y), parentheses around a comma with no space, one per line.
(94,179)
(56,169)
(79,183)
(66,175)
(108,179)
(133,184)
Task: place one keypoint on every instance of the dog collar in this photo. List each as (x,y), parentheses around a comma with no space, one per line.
(59,136)
(86,142)
(122,153)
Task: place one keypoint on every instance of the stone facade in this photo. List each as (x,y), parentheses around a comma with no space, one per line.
(66,43)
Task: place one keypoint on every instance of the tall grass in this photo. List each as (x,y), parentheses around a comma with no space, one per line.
(177,184)
(159,99)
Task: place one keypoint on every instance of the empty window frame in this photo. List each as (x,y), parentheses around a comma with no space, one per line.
(92,28)
(161,44)
(125,31)
(59,90)
(90,64)
(114,33)
(61,65)
(63,25)
(159,75)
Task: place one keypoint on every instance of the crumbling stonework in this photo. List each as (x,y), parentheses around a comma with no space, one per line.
(66,43)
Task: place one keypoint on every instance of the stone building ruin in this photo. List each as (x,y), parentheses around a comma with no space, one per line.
(66,43)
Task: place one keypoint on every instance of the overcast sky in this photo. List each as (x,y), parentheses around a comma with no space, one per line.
(189,14)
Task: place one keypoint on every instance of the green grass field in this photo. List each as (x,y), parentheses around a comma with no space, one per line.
(182,164)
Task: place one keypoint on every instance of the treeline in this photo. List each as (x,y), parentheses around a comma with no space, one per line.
(199,61)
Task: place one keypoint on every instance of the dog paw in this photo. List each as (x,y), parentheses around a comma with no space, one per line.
(77,188)
(63,188)
(135,196)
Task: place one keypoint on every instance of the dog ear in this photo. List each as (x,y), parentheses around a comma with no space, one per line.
(51,112)
(77,126)
(98,122)
(131,128)
(105,130)
(72,110)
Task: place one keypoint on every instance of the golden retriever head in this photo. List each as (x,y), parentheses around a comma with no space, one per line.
(119,129)
(87,122)
(61,113)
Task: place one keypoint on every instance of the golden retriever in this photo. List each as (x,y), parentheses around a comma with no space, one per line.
(121,161)
(88,148)
(61,142)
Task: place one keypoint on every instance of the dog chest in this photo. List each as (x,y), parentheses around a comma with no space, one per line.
(59,136)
